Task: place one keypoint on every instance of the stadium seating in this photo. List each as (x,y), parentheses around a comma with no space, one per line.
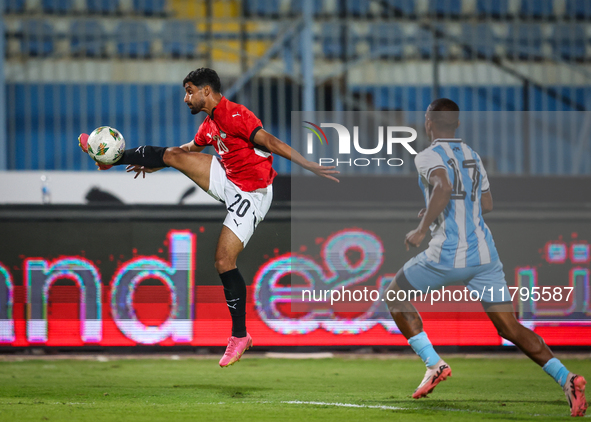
(333,42)
(133,39)
(399,7)
(524,42)
(57,6)
(150,7)
(578,9)
(445,8)
(480,39)
(569,42)
(354,8)
(14,6)
(179,39)
(37,38)
(388,40)
(317,7)
(102,7)
(425,41)
(495,8)
(88,38)
(537,9)
(261,8)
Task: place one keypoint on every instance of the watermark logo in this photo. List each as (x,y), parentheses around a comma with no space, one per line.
(388,137)
(315,129)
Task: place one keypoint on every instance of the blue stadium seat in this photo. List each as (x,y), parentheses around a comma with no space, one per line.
(133,39)
(150,7)
(388,39)
(524,41)
(578,9)
(494,8)
(424,42)
(102,7)
(400,7)
(537,8)
(179,38)
(14,6)
(88,38)
(570,42)
(263,8)
(57,6)
(37,38)
(297,7)
(333,40)
(354,7)
(446,8)
(481,40)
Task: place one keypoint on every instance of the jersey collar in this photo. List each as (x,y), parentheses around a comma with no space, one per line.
(446,140)
(221,105)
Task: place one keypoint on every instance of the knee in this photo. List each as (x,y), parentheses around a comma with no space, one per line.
(172,155)
(389,295)
(223,264)
(391,298)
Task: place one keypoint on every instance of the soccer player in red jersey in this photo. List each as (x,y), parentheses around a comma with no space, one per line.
(242,179)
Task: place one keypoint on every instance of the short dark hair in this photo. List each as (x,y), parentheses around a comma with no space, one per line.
(447,114)
(204,76)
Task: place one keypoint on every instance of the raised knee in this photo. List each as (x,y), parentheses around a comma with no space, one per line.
(172,154)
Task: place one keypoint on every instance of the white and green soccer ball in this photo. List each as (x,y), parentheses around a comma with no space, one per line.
(106,145)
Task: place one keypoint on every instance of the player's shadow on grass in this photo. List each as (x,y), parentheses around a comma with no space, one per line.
(234,391)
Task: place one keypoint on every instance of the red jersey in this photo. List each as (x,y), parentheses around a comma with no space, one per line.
(231,129)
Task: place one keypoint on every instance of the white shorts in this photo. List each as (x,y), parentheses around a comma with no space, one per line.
(245,209)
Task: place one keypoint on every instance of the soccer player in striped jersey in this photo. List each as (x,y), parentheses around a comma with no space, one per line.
(462,250)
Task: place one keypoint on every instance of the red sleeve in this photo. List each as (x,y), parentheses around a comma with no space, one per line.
(247,124)
(200,139)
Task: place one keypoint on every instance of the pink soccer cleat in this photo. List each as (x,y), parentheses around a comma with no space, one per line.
(575,394)
(83,143)
(236,347)
(434,376)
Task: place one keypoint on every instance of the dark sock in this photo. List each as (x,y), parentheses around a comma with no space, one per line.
(147,156)
(235,292)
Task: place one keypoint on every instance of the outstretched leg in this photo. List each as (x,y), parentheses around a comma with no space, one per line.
(508,327)
(194,165)
(409,322)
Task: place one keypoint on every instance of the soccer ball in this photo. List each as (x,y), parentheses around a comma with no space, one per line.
(106,145)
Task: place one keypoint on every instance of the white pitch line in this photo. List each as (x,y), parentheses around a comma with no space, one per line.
(383,407)
(364,406)
(380,407)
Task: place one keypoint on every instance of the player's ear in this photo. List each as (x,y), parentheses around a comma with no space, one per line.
(458,124)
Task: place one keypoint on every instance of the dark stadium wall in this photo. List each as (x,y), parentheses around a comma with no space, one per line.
(507,191)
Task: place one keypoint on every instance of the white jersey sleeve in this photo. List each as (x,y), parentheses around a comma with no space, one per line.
(485,185)
(427,161)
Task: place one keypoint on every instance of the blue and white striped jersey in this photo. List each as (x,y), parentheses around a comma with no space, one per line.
(460,238)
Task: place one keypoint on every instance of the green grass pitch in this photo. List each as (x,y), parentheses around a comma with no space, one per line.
(261,389)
